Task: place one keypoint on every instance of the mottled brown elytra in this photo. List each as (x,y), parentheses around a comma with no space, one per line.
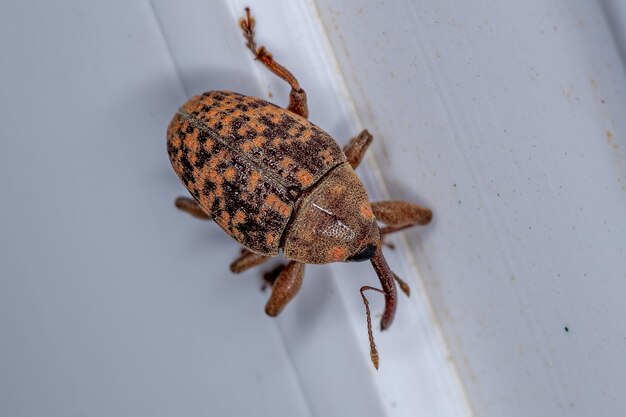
(273,180)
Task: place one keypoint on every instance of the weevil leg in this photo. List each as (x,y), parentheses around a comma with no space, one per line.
(357,147)
(403,285)
(285,287)
(247,260)
(297,96)
(399,215)
(192,207)
(270,277)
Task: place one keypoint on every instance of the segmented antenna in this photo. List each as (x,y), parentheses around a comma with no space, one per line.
(370,333)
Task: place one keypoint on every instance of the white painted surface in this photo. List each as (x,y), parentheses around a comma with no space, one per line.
(114,303)
(508,119)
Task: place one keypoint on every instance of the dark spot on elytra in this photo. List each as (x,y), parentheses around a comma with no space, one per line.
(172,150)
(273,219)
(286,122)
(276,131)
(187,178)
(215,208)
(237,123)
(293,193)
(202,158)
(208,187)
(267,122)
(202,136)
(248,225)
(230,189)
(254,104)
(187,174)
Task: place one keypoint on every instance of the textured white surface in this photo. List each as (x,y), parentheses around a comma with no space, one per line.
(114,303)
(508,119)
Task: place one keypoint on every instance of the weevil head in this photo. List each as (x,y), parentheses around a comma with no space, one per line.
(334,222)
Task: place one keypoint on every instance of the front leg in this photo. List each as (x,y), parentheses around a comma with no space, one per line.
(399,215)
(285,287)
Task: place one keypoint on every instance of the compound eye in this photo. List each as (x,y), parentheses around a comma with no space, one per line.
(364,254)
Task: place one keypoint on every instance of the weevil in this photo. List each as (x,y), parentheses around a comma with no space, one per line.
(274,181)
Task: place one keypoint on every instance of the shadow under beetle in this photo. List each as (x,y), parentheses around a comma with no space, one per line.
(273,180)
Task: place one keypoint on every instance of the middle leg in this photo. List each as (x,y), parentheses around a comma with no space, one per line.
(192,207)
(357,147)
(247,260)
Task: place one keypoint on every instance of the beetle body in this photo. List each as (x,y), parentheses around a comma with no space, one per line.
(273,180)
(270,178)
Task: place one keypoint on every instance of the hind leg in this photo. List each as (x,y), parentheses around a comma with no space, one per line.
(297,96)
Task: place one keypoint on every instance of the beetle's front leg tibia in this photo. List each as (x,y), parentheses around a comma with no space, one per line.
(297,96)
(285,287)
(399,215)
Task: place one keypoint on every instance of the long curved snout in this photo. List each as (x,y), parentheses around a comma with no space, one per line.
(388,283)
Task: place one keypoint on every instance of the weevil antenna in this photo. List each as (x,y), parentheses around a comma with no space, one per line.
(370,333)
